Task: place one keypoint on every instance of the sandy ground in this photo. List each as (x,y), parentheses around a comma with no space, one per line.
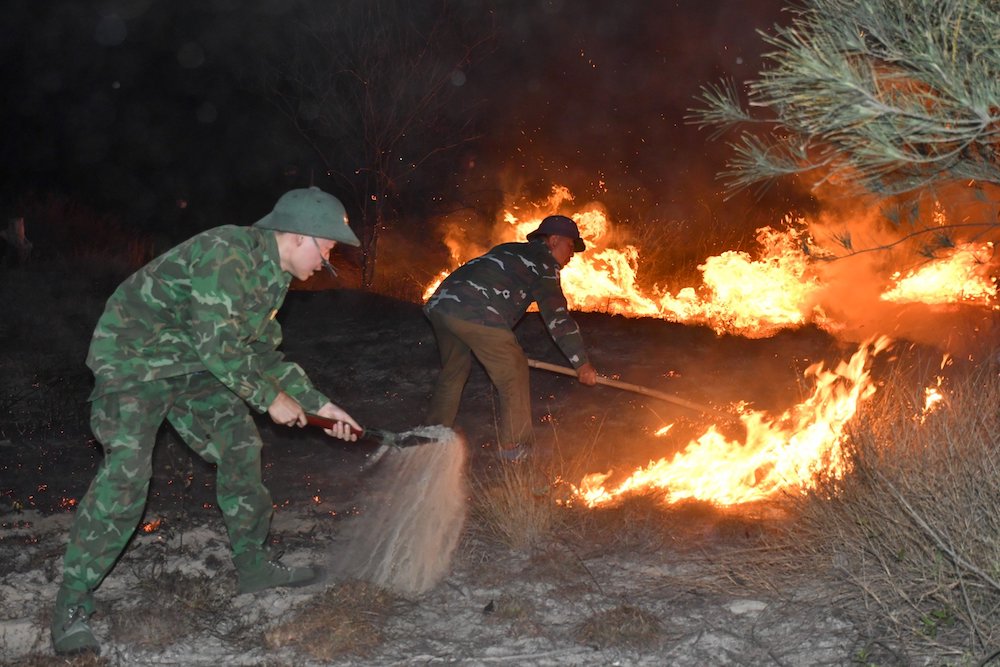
(493,608)
(543,605)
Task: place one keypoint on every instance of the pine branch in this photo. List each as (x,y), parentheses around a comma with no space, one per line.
(892,95)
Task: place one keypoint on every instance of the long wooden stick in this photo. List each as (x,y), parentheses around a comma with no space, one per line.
(638,389)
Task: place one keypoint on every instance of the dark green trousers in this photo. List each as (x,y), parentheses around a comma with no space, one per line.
(213,421)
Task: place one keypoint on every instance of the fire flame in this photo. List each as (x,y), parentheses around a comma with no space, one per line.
(780,454)
(749,295)
(960,276)
(753,295)
(934,396)
(740,294)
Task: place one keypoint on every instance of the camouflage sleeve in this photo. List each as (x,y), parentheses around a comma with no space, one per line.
(555,312)
(235,333)
(290,377)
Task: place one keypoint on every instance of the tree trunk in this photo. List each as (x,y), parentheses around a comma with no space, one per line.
(370,248)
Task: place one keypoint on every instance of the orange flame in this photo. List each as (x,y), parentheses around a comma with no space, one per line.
(960,276)
(752,295)
(778,455)
(749,295)
(934,396)
(741,294)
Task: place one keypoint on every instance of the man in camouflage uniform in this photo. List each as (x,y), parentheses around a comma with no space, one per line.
(474,310)
(192,338)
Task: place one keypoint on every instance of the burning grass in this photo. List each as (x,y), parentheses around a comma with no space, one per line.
(913,531)
(904,540)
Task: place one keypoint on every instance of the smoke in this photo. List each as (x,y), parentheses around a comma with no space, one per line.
(869,243)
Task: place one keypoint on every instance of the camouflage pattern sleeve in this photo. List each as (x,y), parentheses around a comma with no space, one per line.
(555,313)
(207,305)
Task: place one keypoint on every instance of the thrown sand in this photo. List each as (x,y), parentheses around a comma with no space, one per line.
(405,538)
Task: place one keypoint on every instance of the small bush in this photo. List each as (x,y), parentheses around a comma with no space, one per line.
(176,605)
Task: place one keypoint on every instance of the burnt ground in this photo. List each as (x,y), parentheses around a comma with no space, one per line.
(376,357)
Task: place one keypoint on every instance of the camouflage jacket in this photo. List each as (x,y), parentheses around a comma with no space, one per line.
(208,304)
(496,289)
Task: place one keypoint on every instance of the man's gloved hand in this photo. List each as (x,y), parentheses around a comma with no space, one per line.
(587,375)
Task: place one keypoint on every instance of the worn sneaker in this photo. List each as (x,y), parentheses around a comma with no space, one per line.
(71,633)
(265,573)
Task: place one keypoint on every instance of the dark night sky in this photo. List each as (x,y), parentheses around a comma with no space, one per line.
(131,105)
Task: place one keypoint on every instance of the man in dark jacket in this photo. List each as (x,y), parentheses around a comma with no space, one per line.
(474,310)
(191,338)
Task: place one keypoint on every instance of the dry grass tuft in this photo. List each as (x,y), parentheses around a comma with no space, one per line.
(623,627)
(345,620)
(516,506)
(636,525)
(514,608)
(84,660)
(176,605)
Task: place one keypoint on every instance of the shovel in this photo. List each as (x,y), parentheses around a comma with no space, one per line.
(638,389)
(386,440)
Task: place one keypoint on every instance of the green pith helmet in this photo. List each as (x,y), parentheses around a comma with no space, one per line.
(312,212)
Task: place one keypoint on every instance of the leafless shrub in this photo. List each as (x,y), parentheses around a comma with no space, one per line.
(623,626)
(513,608)
(345,620)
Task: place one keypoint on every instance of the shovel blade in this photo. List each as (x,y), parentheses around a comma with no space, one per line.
(388,438)
(382,438)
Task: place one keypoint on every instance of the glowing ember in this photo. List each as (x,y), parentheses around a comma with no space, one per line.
(961,276)
(151,526)
(933,396)
(778,455)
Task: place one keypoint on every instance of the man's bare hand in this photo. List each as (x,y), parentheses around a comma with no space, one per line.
(587,375)
(286,411)
(348,429)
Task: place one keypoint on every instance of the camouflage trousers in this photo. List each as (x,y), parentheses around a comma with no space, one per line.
(502,357)
(213,421)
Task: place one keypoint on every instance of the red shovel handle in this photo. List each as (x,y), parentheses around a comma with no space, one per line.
(327,423)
